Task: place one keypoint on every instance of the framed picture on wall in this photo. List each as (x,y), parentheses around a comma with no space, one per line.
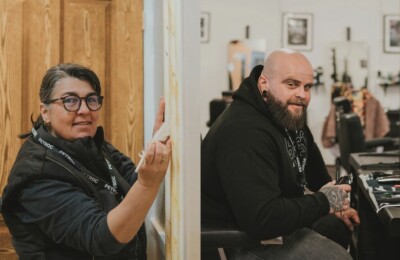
(297,31)
(391,33)
(204,27)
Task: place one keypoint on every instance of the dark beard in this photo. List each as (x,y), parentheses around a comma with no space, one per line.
(283,117)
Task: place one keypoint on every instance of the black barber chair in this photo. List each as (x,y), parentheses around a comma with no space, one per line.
(218,105)
(217,236)
(342,106)
(352,140)
(352,135)
(394,119)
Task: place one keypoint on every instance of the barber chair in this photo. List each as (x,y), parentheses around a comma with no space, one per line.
(352,140)
(215,237)
(394,119)
(218,105)
(352,135)
(342,106)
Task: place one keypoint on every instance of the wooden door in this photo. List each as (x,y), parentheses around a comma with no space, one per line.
(104,35)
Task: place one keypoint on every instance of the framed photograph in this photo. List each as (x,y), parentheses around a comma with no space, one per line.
(204,27)
(297,31)
(391,33)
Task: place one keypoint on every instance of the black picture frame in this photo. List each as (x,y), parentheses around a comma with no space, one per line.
(297,31)
(391,33)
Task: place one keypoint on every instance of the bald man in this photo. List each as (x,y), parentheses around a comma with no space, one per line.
(262,171)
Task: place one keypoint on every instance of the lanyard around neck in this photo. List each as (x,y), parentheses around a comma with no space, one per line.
(300,159)
(113,188)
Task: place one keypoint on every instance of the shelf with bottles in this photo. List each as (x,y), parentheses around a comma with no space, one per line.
(388,80)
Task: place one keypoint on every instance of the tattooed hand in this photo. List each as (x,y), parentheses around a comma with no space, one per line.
(337,197)
(350,218)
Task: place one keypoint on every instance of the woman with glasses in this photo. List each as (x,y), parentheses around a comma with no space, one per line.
(70,193)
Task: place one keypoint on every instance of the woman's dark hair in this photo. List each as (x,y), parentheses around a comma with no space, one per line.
(56,73)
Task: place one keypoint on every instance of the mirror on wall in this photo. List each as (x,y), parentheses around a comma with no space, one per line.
(243,55)
(347,62)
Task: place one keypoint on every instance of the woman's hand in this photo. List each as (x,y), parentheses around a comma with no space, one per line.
(157,157)
(125,220)
(159,115)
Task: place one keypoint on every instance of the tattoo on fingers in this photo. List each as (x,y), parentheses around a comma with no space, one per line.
(336,197)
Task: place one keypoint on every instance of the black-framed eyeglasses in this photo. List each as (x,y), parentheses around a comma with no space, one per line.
(73,103)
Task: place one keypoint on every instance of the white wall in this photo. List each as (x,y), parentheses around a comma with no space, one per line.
(153,89)
(330,20)
(179,32)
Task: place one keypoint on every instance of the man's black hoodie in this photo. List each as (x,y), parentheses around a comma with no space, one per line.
(247,176)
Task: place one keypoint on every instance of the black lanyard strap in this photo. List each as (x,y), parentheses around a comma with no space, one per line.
(112,188)
(298,154)
(122,183)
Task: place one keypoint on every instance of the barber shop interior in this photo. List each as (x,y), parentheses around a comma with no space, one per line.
(204,129)
(353,114)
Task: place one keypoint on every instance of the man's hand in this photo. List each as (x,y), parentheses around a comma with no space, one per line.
(337,196)
(350,217)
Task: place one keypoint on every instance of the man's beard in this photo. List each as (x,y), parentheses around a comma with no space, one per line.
(282,115)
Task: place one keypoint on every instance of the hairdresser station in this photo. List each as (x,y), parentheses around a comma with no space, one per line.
(365,141)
